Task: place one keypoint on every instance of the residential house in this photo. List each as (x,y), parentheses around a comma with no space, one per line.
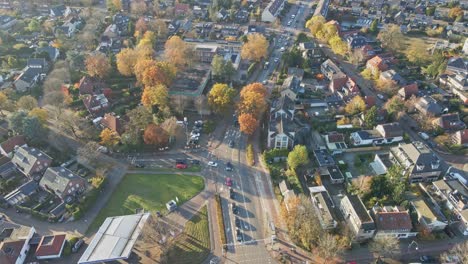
(465,47)
(460,137)
(418,161)
(292,87)
(450,122)
(31,161)
(334,74)
(322,8)
(7,168)
(181,10)
(335,142)
(382,162)
(120,24)
(323,158)
(96,104)
(376,64)
(428,106)
(427,218)
(409,90)
(34,72)
(113,122)
(381,134)
(6,22)
(205,53)
(63,183)
(52,52)
(50,247)
(272,10)
(400,18)
(323,205)
(222,14)
(356,41)
(392,222)
(336,177)
(69,27)
(14,242)
(454,195)
(90,85)
(20,194)
(357,217)
(8,146)
(60,11)
(312,52)
(392,75)
(282,129)
(457,65)
(287,194)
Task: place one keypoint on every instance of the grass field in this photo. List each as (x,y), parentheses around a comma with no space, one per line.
(150,192)
(192,246)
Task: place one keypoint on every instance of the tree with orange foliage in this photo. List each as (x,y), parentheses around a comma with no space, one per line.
(254,87)
(153,75)
(155,96)
(140,68)
(141,25)
(252,103)
(248,123)
(109,138)
(255,48)
(155,135)
(97,65)
(126,60)
(177,52)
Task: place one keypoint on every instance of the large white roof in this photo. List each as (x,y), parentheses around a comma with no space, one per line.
(115,238)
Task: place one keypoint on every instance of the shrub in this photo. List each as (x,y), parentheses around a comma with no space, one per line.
(251,68)
(208,127)
(73,240)
(66,249)
(219,212)
(250,155)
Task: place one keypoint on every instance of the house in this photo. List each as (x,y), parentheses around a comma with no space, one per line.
(449,122)
(428,106)
(60,11)
(427,218)
(376,64)
(460,137)
(381,163)
(392,222)
(96,104)
(392,75)
(336,177)
(322,8)
(357,217)
(282,129)
(272,10)
(14,242)
(120,24)
(465,47)
(222,14)
(63,183)
(28,79)
(454,195)
(418,161)
(8,146)
(69,27)
(52,52)
(38,63)
(115,239)
(20,194)
(334,74)
(409,90)
(457,65)
(292,87)
(113,122)
(205,53)
(6,22)
(90,85)
(381,134)
(458,82)
(335,141)
(324,159)
(323,205)
(50,247)
(7,168)
(287,194)
(356,41)
(31,161)
(312,52)
(181,10)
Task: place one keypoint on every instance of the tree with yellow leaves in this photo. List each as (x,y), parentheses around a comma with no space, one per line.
(221,97)
(109,138)
(177,52)
(315,24)
(355,106)
(97,65)
(256,47)
(338,46)
(155,96)
(126,60)
(40,113)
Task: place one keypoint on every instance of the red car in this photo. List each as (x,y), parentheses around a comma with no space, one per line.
(181,166)
(228,181)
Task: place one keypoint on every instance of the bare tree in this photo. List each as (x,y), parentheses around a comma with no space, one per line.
(385,246)
(201,103)
(179,103)
(89,154)
(460,252)
(328,247)
(170,125)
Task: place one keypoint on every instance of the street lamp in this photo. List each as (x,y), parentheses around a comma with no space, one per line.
(416,245)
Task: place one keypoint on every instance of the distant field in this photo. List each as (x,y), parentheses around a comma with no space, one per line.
(150,192)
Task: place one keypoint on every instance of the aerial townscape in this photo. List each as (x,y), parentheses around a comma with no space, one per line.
(233,131)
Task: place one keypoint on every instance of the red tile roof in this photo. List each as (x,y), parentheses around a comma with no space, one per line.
(112,122)
(9,144)
(463,136)
(335,137)
(10,251)
(50,245)
(393,221)
(377,63)
(370,101)
(409,90)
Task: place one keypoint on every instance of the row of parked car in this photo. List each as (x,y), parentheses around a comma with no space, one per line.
(195,134)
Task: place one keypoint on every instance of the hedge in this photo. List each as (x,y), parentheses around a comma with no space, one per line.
(219,212)
(251,68)
(250,155)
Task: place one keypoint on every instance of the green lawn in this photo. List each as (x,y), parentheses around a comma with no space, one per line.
(192,246)
(150,192)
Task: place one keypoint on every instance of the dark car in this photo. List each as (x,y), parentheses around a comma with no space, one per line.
(235,209)
(231,143)
(428,259)
(449,232)
(232,194)
(195,162)
(139,165)
(238,235)
(229,166)
(77,245)
(238,222)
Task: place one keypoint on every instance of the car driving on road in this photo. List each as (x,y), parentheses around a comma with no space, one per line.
(229,166)
(212,164)
(228,181)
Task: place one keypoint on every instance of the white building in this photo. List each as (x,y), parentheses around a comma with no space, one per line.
(454,194)
(272,10)
(15,242)
(323,205)
(392,222)
(357,217)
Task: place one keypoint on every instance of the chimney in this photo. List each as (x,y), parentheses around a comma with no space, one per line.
(435,164)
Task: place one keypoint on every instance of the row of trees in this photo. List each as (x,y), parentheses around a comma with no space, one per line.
(327,32)
(251,107)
